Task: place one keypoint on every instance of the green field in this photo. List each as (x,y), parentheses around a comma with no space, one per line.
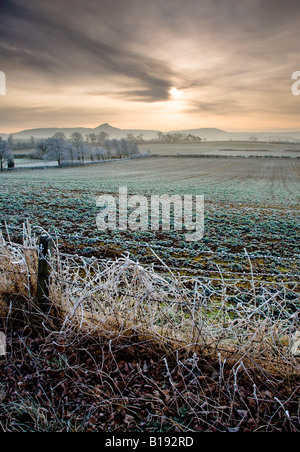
(250,204)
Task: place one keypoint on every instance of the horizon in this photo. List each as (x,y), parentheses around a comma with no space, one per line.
(163,66)
(278,131)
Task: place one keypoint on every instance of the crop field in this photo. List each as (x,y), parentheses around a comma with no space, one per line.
(250,204)
(156,334)
(226,148)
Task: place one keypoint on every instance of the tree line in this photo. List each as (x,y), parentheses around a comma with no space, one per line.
(99,139)
(178,138)
(77,149)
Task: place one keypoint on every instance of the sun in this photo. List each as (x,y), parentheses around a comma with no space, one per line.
(175,93)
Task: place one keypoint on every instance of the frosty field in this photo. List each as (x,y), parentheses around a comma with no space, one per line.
(225,148)
(214,323)
(250,204)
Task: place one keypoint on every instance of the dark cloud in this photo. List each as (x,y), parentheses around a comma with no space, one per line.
(70,38)
(136,50)
(46,40)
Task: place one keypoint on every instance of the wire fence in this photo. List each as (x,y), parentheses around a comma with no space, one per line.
(240,315)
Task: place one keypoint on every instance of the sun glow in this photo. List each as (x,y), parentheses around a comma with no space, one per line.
(175,93)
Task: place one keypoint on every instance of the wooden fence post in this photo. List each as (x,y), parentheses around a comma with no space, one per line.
(43,272)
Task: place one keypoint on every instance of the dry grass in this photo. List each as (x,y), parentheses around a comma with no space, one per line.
(187,354)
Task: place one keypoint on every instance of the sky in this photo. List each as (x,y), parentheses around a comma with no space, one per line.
(150,64)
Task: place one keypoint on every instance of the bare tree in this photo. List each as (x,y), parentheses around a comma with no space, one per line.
(5,154)
(71,151)
(76,138)
(60,135)
(56,149)
(10,140)
(93,138)
(81,150)
(124,147)
(133,148)
(159,136)
(102,136)
(99,152)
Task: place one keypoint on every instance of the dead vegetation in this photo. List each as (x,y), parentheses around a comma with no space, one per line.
(124,348)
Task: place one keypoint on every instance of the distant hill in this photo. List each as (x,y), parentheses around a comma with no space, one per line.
(49,132)
(113,132)
(211,134)
(265,136)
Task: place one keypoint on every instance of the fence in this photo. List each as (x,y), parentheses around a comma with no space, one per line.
(63,165)
(122,298)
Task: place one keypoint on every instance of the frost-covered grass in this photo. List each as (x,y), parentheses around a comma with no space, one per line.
(123,347)
(236,180)
(121,297)
(173,336)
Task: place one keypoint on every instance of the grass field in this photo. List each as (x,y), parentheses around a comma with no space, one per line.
(201,337)
(252,204)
